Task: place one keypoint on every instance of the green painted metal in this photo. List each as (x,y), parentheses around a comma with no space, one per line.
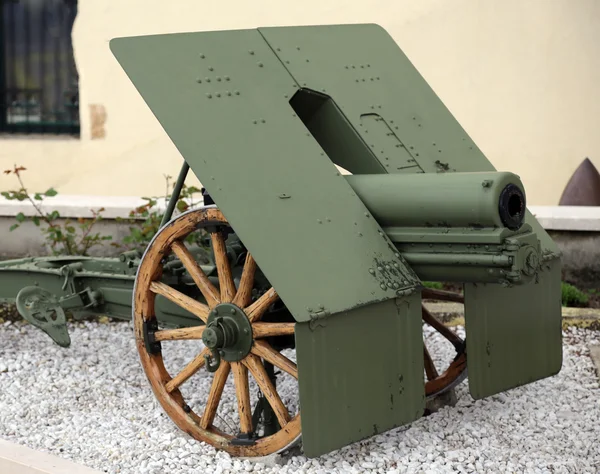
(507,258)
(185,168)
(360,373)
(261,117)
(470,200)
(228,335)
(378,90)
(514,335)
(83,286)
(228,113)
(42,309)
(405,128)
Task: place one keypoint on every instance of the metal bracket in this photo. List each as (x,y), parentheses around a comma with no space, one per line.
(42,309)
(525,256)
(83,299)
(318,319)
(244,439)
(68,271)
(149,327)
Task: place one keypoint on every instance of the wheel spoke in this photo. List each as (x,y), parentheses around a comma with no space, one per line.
(174,387)
(272,329)
(242,391)
(268,390)
(263,349)
(244,292)
(260,306)
(439,327)
(179,334)
(207,289)
(430,369)
(441,295)
(214,396)
(194,366)
(223,269)
(181,300)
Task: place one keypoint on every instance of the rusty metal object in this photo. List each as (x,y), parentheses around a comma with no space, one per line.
(583,189)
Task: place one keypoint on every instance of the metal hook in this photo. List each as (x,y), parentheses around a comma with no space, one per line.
(213,361)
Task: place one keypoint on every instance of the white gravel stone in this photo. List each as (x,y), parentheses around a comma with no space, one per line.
(92,404)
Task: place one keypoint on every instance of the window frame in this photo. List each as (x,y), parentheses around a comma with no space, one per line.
(25,128)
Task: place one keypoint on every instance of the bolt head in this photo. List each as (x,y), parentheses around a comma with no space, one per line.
(209,337)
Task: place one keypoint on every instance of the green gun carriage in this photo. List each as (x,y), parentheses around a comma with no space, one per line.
(290,253)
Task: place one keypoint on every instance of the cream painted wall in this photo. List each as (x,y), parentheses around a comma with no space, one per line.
(521,76)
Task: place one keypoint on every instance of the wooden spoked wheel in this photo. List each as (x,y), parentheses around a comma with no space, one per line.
(233,332)
(438,383)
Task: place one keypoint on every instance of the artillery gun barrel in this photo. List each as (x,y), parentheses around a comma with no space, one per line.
(495,199)
(467,227)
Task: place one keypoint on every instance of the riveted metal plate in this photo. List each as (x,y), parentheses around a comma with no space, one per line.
(223,99)
(514,335)
(360,373)
(385,144)
(338,60)
(363,70)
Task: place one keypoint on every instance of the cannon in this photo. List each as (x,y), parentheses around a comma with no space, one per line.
(336,184)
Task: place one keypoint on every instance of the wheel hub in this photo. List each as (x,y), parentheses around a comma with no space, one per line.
(228,333)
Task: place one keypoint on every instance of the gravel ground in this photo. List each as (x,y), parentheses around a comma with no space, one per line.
(92,404)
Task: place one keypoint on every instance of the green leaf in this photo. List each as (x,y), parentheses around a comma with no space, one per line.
(36,220)
(38,197)
(13,227)
(20,217)
(51,192)
(70,229)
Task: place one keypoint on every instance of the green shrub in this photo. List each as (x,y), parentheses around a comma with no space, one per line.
(435,285)
(75,237)
(144,221)
(63,236)
(573,297)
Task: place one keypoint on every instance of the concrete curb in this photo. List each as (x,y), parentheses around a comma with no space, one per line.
(452,314)
(17,459)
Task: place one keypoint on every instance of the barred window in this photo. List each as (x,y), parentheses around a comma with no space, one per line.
(39,90)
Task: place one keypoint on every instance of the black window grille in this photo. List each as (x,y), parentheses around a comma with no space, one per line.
(39,84)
